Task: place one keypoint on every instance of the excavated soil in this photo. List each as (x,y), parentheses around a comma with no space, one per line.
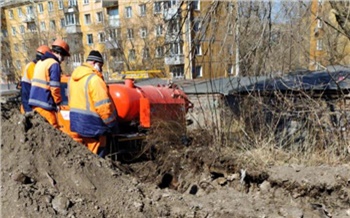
(44,173)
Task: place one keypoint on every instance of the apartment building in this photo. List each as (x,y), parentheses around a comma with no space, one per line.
(174,36)
(7,70)
(210,42)
(317,49)
(327,46)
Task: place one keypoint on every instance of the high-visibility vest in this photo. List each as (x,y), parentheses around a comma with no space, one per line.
(45,91)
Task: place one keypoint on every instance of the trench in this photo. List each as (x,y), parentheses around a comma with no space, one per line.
(182,168)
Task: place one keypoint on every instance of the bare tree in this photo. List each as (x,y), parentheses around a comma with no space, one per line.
(341,10)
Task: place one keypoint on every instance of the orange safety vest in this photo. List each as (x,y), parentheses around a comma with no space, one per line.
(92,112)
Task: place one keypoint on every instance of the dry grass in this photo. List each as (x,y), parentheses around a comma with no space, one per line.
(278,129)
(285,129)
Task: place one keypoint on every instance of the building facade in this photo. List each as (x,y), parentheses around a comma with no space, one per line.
(328,45)
(176,37)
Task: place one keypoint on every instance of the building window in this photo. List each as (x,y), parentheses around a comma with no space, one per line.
(99,17)
(101,37)
(14,31)
(132,55)
(19,10)
(318,66)
(143,32)
(230,29)
(22,29)
(24,48)
(145,53)
(90,39)
(60,4)
(87,18)
(198,71)
(142,10)
(130,34)
(319,45)
(229,69)
(319,23)
(76,58)
(159,52)
(18,63)
(72,3)
(128,12)
(176,48)
(11,14)
(157,7)
(197,26)
(173,27)
(71,19)
(32,27)
(4,33)
(320,2)
(112,35)
(198,49)
(159,30)
(86,2)
(230,7)
(30,10)
(16,47)
(196,5)
(50,4)
(42,26)
(40,8)
(52,24)
(63,22)
(230,49)
(170,4)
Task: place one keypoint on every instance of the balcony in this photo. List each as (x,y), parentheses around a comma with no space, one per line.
(28,18)
(71,9)
(173,37)
(174,59)
(75,28)
(30,35)
(114,21)
(76,64)
(169,13)
(109,4)
(112,44)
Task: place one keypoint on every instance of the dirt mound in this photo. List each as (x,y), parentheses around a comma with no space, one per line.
(44,173)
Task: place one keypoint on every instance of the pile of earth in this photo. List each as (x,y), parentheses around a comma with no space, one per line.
(44,173)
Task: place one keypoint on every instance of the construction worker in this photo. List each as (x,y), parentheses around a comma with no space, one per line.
(26,80)
(92,113)
(45,94)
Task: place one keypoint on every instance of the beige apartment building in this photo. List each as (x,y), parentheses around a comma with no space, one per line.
(327,46)
(173,36)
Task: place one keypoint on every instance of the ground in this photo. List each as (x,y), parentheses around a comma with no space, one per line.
(44,173)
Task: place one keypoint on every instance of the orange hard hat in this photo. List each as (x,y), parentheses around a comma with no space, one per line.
(43,49)
(62,44)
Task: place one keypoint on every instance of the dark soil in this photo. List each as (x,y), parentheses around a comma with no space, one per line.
(44,173)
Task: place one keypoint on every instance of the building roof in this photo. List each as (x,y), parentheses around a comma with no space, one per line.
(212,86)
(332,78)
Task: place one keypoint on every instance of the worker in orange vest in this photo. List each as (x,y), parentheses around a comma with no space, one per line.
(26,80)
(92,113)
(45,94)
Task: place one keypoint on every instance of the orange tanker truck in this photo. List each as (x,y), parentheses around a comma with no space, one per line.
(139,108)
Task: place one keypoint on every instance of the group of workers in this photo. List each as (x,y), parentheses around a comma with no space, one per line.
(92,112)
